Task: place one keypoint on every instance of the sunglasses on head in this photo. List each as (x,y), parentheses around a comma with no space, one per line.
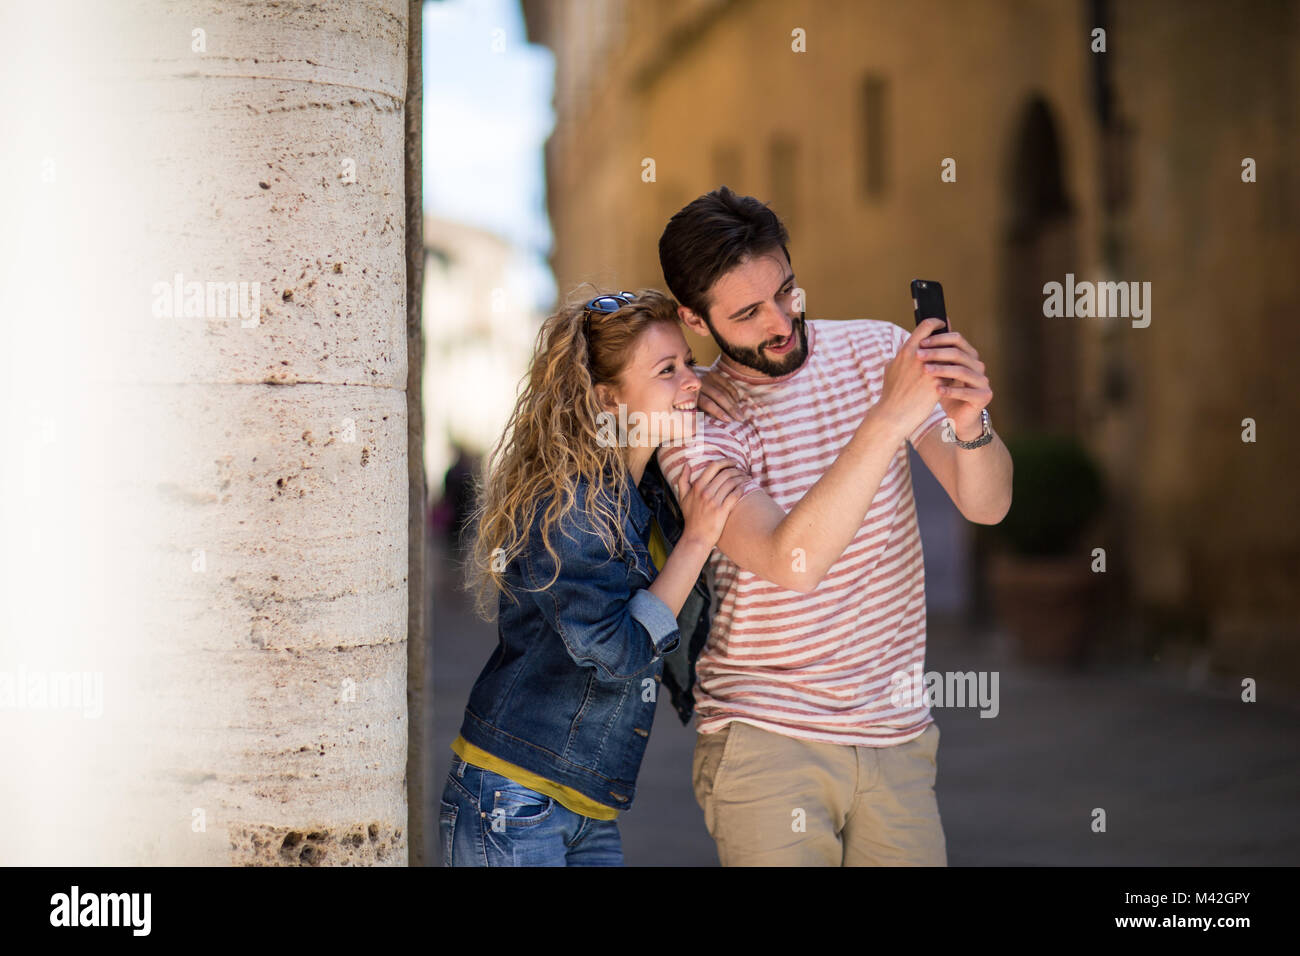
(606,304)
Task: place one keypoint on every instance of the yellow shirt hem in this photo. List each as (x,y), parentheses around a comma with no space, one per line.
(566,796)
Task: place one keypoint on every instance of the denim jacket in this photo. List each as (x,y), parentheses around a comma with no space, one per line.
(570,691)
(696,615)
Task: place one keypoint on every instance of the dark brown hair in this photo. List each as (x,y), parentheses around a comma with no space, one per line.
(712,235)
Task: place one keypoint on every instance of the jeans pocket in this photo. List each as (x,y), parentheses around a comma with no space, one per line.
(513,804)
(447,813)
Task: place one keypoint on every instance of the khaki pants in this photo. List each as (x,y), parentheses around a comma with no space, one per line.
(773,800)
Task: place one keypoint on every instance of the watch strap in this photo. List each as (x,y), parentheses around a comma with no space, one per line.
(985,437)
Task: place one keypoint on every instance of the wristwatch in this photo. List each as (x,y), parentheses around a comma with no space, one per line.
(985,437)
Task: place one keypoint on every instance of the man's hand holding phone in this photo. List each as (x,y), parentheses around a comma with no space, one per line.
(964,389)
(909,392)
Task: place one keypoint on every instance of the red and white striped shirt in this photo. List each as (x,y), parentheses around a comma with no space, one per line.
(820,666)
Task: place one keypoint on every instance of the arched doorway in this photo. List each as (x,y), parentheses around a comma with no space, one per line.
(1039,385)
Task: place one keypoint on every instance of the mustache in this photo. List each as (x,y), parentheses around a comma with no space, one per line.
(796,328)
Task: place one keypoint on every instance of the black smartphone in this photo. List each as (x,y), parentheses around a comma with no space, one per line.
(927,300)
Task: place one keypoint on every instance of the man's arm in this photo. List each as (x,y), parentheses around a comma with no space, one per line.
(978,480)
(795,550)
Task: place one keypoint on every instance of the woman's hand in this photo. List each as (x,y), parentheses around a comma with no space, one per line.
(707,499)
(717,397)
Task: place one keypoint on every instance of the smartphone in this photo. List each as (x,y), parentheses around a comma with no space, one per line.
(927,300)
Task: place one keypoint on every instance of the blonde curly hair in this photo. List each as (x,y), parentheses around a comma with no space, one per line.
(551,440)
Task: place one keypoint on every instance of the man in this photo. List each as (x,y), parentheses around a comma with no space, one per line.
(807,754)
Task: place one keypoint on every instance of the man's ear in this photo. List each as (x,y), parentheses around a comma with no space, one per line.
(693,322)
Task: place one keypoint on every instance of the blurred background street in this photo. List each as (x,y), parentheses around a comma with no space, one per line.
(1144,581)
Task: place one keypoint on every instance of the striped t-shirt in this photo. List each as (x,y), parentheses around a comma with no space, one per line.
(819,666)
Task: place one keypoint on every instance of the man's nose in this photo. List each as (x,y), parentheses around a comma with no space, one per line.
(782,325)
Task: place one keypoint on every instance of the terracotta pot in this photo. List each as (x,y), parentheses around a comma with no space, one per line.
(1047,605)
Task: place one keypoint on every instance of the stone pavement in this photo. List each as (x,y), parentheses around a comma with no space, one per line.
(1186,772)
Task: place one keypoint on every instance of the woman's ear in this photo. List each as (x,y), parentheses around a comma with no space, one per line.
(605,395)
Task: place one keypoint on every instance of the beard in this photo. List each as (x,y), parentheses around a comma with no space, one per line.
(758,360)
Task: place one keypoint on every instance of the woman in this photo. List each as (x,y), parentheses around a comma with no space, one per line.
(585,593)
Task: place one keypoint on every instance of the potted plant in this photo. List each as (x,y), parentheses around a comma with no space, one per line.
(1040,573)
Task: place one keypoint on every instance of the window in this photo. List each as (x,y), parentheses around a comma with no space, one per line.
(875,122)
(783,154)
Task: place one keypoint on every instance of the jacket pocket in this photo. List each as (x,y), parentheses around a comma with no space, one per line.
(640,567)
(576,724)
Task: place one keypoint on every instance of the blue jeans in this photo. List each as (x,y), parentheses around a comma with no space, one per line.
(486,819)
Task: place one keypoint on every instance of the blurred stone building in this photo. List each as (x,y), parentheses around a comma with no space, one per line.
(479,329)
(1122,165)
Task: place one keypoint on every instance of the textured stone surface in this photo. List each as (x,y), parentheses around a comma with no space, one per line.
(362,844)
(252,468)
(291,495)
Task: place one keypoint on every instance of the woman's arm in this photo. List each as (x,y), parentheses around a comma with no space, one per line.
(680,572)
(604,624)
(705,504)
